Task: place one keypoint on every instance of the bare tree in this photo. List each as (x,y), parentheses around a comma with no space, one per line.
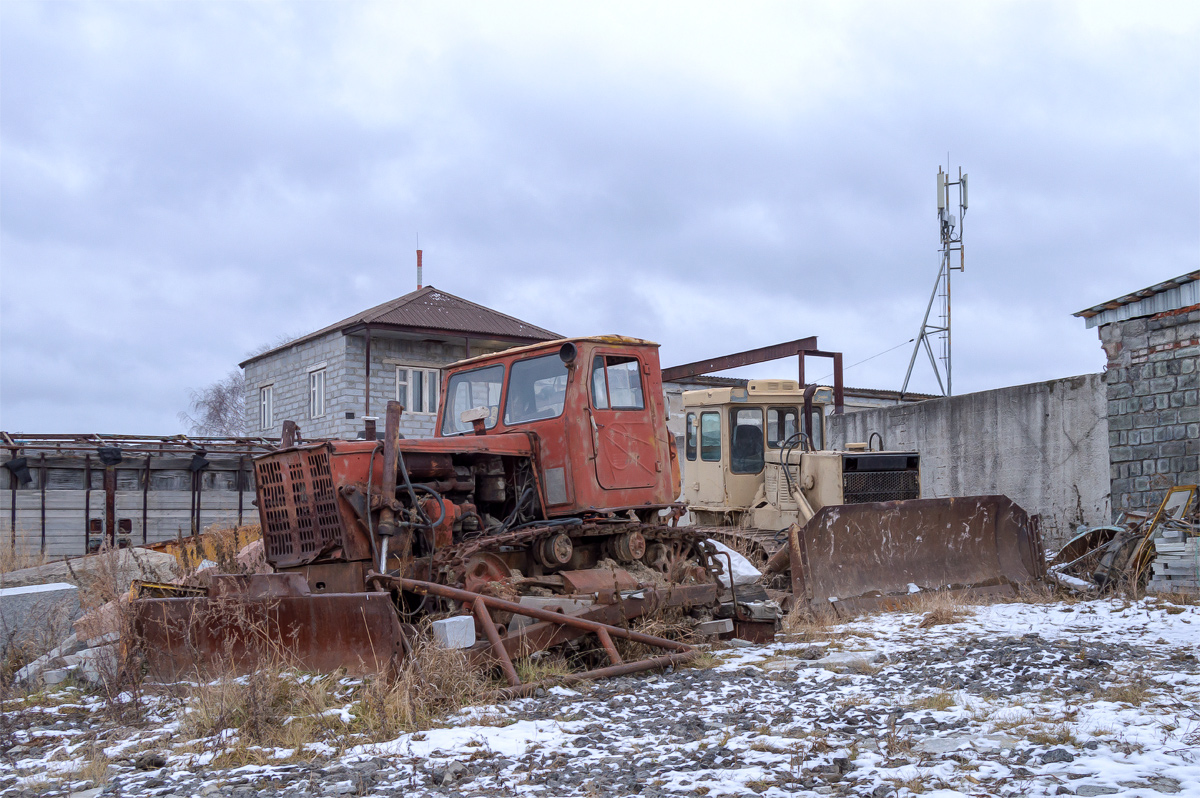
(219,409)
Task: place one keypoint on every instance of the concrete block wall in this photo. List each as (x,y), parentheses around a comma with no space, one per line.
(1153,408)
(345,377)
(386,354)
(1044,445)
(287,371)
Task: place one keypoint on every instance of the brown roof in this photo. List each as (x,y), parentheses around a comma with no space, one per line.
(432,311)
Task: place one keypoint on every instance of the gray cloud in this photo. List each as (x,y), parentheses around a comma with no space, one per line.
(179,183)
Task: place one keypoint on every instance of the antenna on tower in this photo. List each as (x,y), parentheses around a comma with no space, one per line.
(950,229)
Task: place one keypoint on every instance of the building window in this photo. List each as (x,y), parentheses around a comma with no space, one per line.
(266,407)
(316,393)
(417,389)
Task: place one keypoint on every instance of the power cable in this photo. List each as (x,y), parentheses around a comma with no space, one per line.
(872,357)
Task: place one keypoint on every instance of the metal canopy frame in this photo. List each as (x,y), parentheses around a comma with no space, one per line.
(801,348)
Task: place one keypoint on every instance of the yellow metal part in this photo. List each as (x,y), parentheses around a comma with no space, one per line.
(217,545)
(160,590)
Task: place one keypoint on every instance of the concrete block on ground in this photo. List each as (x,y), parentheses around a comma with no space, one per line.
(718,627)
(38,616)
(98,664)
(35,669)
(456,632)
(113,572)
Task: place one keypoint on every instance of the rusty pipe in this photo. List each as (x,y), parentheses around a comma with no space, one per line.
(468,598)
(782,559)
(391,448)
(624,669)
(489,629)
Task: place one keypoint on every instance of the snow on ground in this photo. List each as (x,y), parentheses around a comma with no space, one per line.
(1087,698)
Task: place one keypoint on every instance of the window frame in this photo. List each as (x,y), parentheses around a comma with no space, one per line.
(450,400)
(428,376)
(316,396)
(703,417)
(508,377)
(608,405)
(797,413)
(762,426)
(266,406)
(691,436)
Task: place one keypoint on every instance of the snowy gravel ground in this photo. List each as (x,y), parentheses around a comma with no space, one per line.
(1087,698)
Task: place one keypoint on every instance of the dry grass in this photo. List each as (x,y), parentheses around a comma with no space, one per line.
(270,708)
(1057,734)
(938,701)
(671,624)
(801,624)
(432,683)
(94,767)
(14,558)
(1134,693)
(542,666)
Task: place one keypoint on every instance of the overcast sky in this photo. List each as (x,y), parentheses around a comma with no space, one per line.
(182,182)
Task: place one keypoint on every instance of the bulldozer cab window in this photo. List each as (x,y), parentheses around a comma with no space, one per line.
(616,383)
(746,452)
(710,437)
(690,438)
(782,423)
(468,390)
(818,428)
(537,389)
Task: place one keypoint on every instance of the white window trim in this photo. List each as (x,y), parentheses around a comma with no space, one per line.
(268,422)
(409,368)
(318,366)
(312,372)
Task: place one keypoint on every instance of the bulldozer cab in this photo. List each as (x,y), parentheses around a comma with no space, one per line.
(756,456)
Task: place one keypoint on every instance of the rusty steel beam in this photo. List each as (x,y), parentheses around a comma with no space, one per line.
(738,359)
(624,669)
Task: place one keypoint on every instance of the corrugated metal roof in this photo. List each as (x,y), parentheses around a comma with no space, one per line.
(1181,292)
(431,310)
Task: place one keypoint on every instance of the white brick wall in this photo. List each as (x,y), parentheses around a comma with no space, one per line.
(287,372)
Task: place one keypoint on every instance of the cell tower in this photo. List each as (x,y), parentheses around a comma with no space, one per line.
(950,228)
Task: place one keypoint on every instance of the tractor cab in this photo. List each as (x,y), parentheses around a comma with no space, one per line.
(591,409)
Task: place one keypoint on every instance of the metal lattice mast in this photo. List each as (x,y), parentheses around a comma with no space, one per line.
(950,229)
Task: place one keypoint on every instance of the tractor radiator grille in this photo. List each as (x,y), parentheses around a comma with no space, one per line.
(297,505)
(880,486)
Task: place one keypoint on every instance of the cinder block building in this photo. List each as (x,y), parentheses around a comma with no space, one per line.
(329,380)
(1152,339)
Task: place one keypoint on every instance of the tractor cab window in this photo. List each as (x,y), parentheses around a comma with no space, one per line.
(818,427)
(690,438)
(468,390)
(782,423)
(537,389)
(616,383)
(710,437)
(746,440)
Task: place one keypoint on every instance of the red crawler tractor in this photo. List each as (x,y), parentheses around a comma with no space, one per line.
(552,476)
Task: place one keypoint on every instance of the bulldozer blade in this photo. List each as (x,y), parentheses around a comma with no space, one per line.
(359,633)
(876,555)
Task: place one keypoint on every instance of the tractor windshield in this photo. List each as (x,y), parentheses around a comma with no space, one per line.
(537,388)
(468,390)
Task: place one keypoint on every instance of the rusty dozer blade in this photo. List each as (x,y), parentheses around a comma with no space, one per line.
(268,620)
(863,556)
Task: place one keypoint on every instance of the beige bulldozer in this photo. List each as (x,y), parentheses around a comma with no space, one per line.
(839,529)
